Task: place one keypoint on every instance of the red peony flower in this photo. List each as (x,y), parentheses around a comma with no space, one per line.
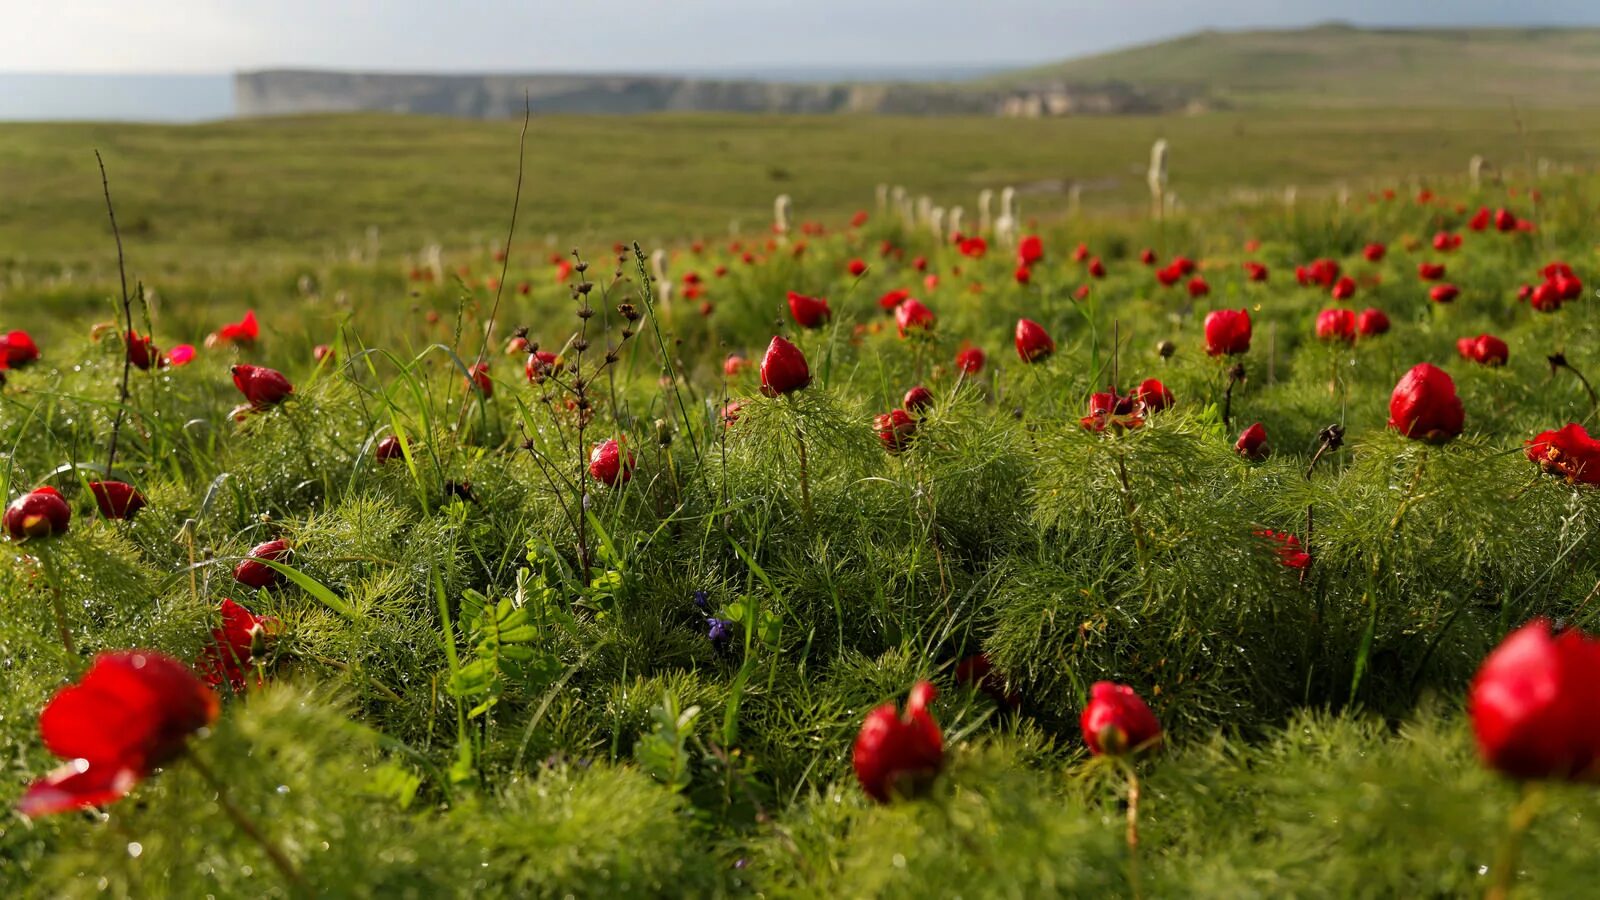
(1444,293)
(17,349)
(1097,269)
(1485,350)
(244,331)
(478,378)
(1344,288)
(978,671)
(610,464)
(1532,705)
(1505,220)
(1374,252)
(734,364)
(39,513)
(1080,252)
(809,312)
(1569,453)
(912,315)
(541,365)
(1169,275)
(1430,271)
(1255,271)
(252,572)
(261,386)
(1108,410)
(917,399)
(1288,548)
(970,360)
(1372,322)
(1445,241)
(1198,287)
(783,368)
(116,499)
(133,712)
(1252,443)
(1152,395)
(1336,324)
(857,267)
(900,755)
(1227,332)
(1116,722)
(973,247)
(1424,405)
(1023,275)
(1480,219)
(181,355)
(390,448)
(1033,342)
(243,638)
(323,352)
(892,299)
(1147,256)
(1029,251)
(895,429)
(142,352)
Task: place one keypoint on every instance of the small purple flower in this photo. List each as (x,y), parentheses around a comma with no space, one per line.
(702,600)
(720,631)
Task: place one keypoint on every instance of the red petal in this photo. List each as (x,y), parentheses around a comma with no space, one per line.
(77,785)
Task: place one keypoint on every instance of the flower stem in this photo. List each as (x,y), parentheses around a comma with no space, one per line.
(57,604)
(1133,832)
(805,479)
(1505,860)
(242,820)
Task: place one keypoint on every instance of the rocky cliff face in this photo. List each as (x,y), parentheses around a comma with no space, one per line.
(501,96)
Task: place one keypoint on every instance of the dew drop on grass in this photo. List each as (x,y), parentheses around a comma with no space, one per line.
(283,789)
(135,849)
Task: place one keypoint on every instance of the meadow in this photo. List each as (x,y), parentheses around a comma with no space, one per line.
(496,655)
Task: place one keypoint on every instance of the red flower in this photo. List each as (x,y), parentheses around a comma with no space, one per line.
(900,755)
(1080,252)
(1097,269)
(895,429)
(1374,252)
(541,365)
(970,360)
(1443,293)
(610,464)
(1344,288)
(1444,241)
(783,368)
(1480,219)
(734,364)
(1569,453)
(1430,271)
(857,267)
(920,263)
(1324,272)
(1029,251)
(132,712)
(1532,705)
(18,349)
(1288,548)
(1170,275)
(181,355)
(809,312)
(1252,443)
(1372,322)
(978,671)
(1227,332)
(1198,287)
(859,219)
(1082,293)
(974,247)
(116,499)
(892,299)
(1485,349)
(1505,220)
(323,352)
(1336,324)
(1116,722)
(1107,410)
(1147,256)
(1022,275)
(390,448)
(1033,342)
(1183,265)
(39,513)
(1424,405)
(1152,395)
(1255,271)
(911,315)
(244,331)
(261,386)
(142,352)
(252,572)
(1546,297)
(234,647)
(478,377)
(917,399)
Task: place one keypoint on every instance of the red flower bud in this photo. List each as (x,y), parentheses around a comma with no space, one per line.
(809,312)
(917,399)
(261,386)
(1485,350)
(1033,342)
(912,315)
(38,513)
(1227,332)
(1443,293)
(1029,251)
(1116,722)
(1336,325)
(1372,322)
(116,499)
(250,571)
(970,360)
(1252,443)
(610,464)
(1532,705)
(1374,252)
(895,429)
(1424,405)
(899,755)
(783,369)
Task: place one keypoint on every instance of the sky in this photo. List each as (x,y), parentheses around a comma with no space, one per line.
(220,36)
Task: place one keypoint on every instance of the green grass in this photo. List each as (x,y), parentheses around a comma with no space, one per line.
(265,194)
(1338,66)
(584,737)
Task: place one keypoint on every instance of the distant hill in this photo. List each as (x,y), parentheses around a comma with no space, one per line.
(1340,65)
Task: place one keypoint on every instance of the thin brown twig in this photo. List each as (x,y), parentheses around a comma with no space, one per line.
(127,318)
